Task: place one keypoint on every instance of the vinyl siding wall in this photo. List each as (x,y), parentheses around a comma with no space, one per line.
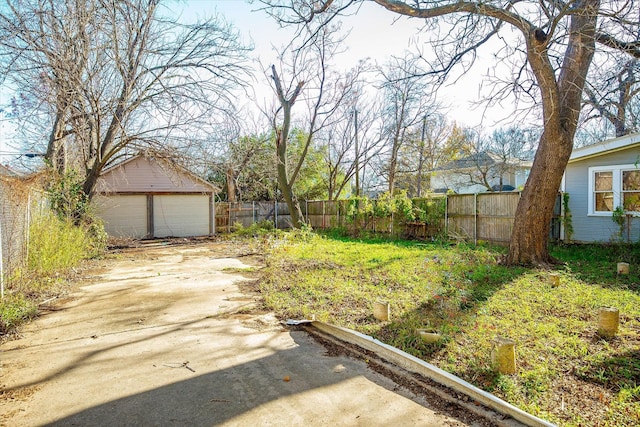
(590,228)
(143,175)
(459,182)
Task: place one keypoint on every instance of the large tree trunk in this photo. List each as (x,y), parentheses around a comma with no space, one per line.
(561,103)
(282,138)
(56,153)
(283,181)
(90,181)
(231,185)
(530,235)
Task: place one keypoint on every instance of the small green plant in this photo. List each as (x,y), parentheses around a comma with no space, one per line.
(431,211)
(256,229)
(359,209)
(619,217)
(15,309)
(567,218)
(404,206)
(66,197)
(56,244)
(384,206)
(303,234)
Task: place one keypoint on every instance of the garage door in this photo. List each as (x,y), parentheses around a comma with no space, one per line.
(180,215)
(123,215)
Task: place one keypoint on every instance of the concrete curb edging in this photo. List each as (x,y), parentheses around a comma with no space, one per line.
(413,364)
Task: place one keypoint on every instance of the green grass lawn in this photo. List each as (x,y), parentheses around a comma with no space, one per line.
(566,373)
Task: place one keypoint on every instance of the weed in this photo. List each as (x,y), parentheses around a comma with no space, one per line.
(56,244)
(15,309)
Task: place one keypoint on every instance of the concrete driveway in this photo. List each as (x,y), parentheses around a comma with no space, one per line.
(164,336)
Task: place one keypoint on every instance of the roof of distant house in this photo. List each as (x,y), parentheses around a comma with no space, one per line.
(482,159)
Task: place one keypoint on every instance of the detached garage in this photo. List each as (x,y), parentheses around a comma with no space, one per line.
(147,197)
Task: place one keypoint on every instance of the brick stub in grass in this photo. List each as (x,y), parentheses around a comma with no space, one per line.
(608,321)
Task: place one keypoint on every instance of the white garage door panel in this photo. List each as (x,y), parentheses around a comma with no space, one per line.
(181,216)
(124,216)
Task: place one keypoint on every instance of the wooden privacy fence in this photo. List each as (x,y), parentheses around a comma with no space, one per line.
(489,216)
(472,217)
(320,214)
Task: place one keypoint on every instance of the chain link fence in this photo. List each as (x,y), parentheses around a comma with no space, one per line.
(20,200)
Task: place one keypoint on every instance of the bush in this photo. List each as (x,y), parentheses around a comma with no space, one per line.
(66,196)
(15,309)
(256,229)
(359,209)
(57,244)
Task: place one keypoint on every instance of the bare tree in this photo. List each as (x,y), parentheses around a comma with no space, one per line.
(323,93)
(116,77)
(495,160)
(552,55)
(238,157)
(352,138)
(424,151)
(513,150)
(247,168)
(613,93)
(406,101)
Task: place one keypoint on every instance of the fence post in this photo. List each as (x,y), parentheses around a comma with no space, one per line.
(275,212)
(446,215)
(253,211)
(475,218)
(324,212)
(1,262)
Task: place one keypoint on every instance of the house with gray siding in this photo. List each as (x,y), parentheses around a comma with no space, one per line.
(600,178)
(472,174)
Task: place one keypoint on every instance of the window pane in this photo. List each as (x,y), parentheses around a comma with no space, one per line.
(632,201)
(604,181)
(630,180)
(604,202)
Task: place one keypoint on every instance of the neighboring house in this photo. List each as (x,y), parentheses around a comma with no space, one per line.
(468,175)
(599,178)
(148,197)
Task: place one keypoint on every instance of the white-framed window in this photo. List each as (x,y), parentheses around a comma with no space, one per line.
(613,186)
